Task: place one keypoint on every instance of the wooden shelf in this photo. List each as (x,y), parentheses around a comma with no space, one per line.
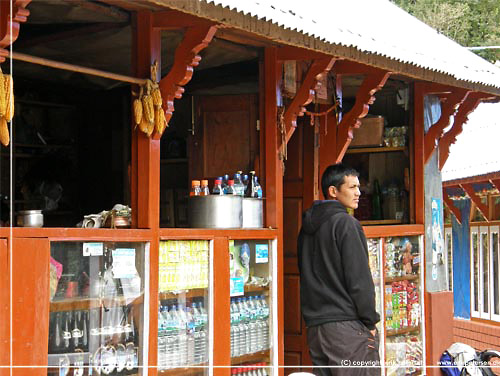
(252,288)
(193,293)
(261,356)
(397,332)
(185,371)
(83,304)
(376,150)
(382,222)
(411,277)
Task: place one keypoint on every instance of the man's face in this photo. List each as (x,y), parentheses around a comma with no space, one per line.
(348,194)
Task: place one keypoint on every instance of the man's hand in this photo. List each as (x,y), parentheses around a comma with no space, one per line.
(373,332)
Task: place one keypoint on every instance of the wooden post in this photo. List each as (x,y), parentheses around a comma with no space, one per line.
(274,177)
(418,137)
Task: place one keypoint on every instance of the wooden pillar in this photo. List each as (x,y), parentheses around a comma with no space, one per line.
(418,145)
(145,169)
(274,176)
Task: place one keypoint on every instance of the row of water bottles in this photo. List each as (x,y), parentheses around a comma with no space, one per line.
(256,369)
(182,335)
(249,325)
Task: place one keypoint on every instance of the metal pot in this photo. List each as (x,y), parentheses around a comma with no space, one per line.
(253,212)
(30,218)
(215,211)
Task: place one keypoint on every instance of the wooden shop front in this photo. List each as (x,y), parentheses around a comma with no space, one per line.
(158,297)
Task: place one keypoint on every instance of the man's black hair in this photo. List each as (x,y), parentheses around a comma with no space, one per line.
(334,176)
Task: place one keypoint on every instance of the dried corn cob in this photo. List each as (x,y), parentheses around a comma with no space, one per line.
(137,111)
(2,95)
(160,120)
(4,132)
(146,127)
(156,94)
(148,109)
(9,97)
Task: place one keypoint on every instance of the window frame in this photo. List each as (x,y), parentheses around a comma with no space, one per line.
(494,281)
(474,230)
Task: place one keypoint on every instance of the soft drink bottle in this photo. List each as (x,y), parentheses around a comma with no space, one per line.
(195,188)
(230,188)
(239,188)
(204,191)
(218,190)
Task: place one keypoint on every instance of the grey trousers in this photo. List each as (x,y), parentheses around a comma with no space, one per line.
(348,345)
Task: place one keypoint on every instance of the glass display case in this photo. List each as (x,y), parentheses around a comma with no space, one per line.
(183,321)
(396,267)
(97,321)
(251,308)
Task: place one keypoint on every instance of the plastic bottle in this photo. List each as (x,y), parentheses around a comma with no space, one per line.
(235,329)
(175,337)
(258,187)
(252,325)
(239,188)
(376,201)
(230,188)
(162,349)
(250,189)
(169,337)
(244,180)
(183,351)
(195,188)
(218,190)
(190,328)
(265,319)
(225,183)
(203,333)
(244,328)
(204,191)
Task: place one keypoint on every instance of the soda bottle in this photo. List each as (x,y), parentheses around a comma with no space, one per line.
(230,188)
(204,188)
(257,188)
(250,189)
(218,190)
(244,180)
(225,183)
(195,188)
(239,188)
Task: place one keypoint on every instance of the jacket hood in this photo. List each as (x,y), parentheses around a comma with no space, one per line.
(319,213)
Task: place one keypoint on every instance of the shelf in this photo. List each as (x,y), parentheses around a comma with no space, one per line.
(382,222)
(397,332)
(199,370)
(411,277)
(193,293)
(83,304)
(376,150)
(252,358)
(252,288)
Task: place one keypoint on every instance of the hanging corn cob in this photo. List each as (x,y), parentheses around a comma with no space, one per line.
(9,97)
(6,106)
(147,108)
(4,131)
(2,94)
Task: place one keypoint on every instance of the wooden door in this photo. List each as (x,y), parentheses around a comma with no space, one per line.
(225,138)
(298,195)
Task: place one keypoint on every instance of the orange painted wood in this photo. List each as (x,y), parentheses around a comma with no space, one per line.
(496,183)
(10,25)
(296,53)
(4,308)
(448,109)
(396,230)
(222,320)
(172,19)
(305,93)
(30,305)
(274,179)
(418,145)
(484,210)
(451,207)
(186,57)
(327,140)
(364,97)
(461,117)
(145,169)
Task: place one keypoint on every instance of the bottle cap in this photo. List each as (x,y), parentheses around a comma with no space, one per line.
(217,181)
(230,182)
(204,182)
(195,182)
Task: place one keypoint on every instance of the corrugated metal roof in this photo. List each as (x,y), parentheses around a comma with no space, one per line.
(476,150)
(373,26)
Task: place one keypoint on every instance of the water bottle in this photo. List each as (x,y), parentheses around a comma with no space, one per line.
(244,180)
(225,183)
(183,352)
(239,188)
(162,350)
(204,188)
(203,333)
(244,328)
(257,187)
(260,324)
(190,328)
(235,330)
(252,325)
(169,338)
(175,336)
(230,188)
(265,318)
(195,188)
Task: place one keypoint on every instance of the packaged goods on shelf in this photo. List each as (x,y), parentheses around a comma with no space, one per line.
(402,306)
(403,355)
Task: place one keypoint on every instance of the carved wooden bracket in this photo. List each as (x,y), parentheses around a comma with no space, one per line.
(9,26)
(364,97)
(305,94)
(496,183)
(435,132)
(453,209)
(196,38)
(449,138)
(469,189)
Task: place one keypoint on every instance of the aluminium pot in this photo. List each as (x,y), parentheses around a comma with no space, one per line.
(30,218)
(253,210)
(214,211)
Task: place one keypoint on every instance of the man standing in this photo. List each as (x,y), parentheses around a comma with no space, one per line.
(336,288)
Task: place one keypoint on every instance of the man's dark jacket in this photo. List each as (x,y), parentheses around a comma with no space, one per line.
(335,279)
